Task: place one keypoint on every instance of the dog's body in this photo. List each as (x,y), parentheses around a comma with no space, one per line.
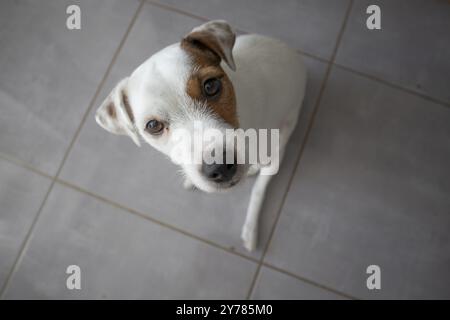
(194,81)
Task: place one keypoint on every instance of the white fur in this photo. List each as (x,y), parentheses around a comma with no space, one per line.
(269,83)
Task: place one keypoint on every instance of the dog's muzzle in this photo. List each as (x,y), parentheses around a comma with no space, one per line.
(219,172)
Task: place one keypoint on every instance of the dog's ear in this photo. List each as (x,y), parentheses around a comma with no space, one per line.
(216,36)
(115,114)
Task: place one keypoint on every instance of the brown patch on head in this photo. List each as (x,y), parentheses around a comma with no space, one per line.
(111,110)
(126,103)
(206,66)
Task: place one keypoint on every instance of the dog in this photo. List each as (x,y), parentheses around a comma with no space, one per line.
(223,82)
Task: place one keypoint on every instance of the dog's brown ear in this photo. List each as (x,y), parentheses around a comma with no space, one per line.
(115,114)
(216,36)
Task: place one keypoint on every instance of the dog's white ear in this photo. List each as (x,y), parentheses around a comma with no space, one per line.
(216,36)
(115,114)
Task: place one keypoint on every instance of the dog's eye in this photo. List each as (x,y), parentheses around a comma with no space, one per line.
(154,127)
(212,87)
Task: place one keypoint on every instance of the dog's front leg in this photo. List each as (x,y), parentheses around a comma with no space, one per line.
(250,229)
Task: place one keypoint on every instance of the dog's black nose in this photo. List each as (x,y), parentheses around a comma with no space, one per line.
(219,172)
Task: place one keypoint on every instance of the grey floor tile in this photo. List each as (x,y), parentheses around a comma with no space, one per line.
(412,48)
(21,194)
(145,180)
(273,285)
(121,256)
(372,188)
(49,74)
(311,26)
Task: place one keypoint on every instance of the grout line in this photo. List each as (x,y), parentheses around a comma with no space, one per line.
(23,164)
(123,207)
(184,13)
(174,9)
(164,224)
(25,243)
(310,282)
(27,239)
(313,56)
(393,85)
(154,220)
(203,19)
(302,148)
(99,88)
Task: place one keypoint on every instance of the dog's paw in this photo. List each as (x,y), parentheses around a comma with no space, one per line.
(188,185)
(249,236)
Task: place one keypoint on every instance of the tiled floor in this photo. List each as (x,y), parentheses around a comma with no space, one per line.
(366,179)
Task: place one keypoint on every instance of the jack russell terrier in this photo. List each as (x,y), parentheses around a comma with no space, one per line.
(222,82)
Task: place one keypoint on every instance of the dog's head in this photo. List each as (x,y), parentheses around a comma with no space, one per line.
(175,93)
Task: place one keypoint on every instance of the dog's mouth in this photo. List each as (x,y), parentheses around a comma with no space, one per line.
(217,166)
(228,184)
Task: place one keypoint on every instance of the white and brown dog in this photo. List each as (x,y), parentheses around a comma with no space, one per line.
(208,77)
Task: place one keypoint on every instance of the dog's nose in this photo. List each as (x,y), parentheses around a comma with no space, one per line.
(219,172)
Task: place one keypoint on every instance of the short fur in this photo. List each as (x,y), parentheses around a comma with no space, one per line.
(265,91)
